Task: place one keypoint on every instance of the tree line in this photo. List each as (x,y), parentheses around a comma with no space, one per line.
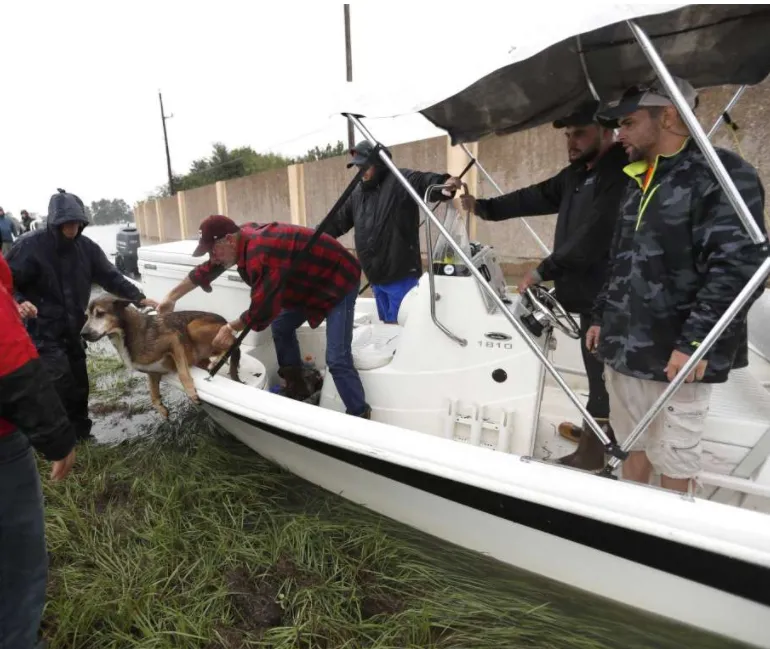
(225,164)
(101,212)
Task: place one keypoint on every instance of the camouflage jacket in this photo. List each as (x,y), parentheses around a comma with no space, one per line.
(680,256)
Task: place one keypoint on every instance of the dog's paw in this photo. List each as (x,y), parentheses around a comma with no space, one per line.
(162,411)
(194,398)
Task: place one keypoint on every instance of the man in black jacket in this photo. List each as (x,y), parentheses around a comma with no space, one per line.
(53,273)
(586,195)
(387,223)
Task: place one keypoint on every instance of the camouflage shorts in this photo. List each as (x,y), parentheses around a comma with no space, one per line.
(673,439)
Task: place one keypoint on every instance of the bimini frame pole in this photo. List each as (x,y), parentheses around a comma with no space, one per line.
(609,446)
(727,109)
(492,182)
(743,213)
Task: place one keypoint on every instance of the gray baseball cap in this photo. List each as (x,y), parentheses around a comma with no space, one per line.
(360,153)
(642,96)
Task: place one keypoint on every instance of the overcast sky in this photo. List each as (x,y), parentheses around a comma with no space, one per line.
(80,79)
(79,102)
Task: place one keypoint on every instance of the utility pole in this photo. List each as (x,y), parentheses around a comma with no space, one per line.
(349,65)
(164,117)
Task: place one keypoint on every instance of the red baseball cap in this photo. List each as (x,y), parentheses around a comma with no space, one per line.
(213,228)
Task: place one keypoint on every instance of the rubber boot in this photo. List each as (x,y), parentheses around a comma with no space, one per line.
(589,455)
(296,386)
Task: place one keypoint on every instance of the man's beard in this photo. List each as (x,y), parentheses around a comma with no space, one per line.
(377,176)
(587,156)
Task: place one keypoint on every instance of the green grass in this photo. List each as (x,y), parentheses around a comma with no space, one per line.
(185,538)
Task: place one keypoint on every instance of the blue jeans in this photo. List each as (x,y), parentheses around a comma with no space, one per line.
(388,297)
(339,356)
(23,557)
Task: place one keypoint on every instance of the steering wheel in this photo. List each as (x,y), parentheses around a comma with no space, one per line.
(546,304)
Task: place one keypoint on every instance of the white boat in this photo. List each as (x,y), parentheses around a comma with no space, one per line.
(466,394)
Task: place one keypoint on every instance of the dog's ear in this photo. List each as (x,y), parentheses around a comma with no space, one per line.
(121,305)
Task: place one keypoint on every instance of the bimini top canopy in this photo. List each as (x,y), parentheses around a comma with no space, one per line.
(542,74)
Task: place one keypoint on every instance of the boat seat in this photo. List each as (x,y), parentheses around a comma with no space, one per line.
(374,345)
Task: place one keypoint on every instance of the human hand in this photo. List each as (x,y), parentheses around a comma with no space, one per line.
(529,279)
(592,338)
(454,183)
(27,310)
(61,468)
(677,361)
(224,338)
(468,202)
(150,302)
(166,305)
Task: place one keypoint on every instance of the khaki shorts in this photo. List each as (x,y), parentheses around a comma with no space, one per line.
(672,441)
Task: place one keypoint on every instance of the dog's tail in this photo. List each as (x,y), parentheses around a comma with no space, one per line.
(235,363)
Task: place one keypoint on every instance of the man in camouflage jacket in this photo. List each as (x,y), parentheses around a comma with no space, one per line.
(680,257)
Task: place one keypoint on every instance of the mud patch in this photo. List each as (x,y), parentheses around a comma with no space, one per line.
(378,599)
(254,601)
(127,409)
(227,639)
(116,493)
(381,603)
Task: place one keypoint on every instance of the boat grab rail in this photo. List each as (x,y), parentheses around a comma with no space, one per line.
(431,279)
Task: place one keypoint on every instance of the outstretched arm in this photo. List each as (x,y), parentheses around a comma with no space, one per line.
(110,278)
(541,198)
(202,275)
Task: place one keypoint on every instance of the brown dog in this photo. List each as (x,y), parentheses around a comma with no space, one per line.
(158,344)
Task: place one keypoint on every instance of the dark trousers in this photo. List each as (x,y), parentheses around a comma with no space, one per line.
(23,557)
(598,405)
(339,354)
(69,374)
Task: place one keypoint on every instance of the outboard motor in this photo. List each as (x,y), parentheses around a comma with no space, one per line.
(127,251)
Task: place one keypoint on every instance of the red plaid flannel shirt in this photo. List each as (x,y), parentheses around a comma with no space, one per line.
(326,275)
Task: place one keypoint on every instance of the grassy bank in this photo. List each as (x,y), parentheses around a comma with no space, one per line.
(185,538)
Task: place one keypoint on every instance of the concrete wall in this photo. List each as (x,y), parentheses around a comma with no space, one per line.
(303,194)
(169,215)
(259,197)
(199,203)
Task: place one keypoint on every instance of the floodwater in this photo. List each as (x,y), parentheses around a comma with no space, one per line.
(120,408)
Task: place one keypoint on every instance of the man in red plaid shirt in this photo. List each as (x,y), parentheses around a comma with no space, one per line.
(324,285)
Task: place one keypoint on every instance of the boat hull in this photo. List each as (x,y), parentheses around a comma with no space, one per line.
(691,586)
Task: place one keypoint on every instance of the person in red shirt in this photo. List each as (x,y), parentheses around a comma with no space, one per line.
(31,415)
(322,286)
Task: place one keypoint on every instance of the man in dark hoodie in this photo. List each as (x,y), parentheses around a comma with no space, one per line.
(387,227)
(53,273)
(586,196)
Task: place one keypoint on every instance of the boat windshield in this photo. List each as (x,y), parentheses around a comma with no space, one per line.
(457,226)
